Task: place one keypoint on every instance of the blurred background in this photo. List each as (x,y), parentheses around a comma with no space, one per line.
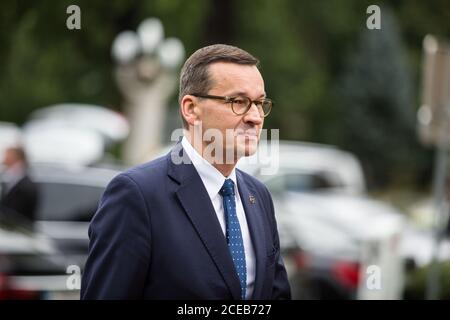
(355,185)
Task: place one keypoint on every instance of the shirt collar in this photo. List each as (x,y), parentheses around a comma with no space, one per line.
(14,173)
(12,176)
(211,177)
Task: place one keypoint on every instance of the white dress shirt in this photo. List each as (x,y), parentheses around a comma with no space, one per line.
(12,176)
(213,181)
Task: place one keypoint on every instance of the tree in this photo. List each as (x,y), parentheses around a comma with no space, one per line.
(375,104)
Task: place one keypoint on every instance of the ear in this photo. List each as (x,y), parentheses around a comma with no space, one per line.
(188,109)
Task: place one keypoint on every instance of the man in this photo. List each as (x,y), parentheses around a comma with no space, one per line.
(19,195)
(196,229)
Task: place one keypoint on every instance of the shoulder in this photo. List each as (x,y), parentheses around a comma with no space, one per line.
(250,180)
(253,183)
(146,174)
(134,186)
(144,179)
(25,183)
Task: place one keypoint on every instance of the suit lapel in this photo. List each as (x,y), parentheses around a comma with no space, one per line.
(252,208)
(12,189)
(197,204)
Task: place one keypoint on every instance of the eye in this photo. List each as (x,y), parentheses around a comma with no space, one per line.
(258,103)
(240,101)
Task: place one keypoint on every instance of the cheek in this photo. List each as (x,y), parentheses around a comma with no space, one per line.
(212,117)
(213,123)
(220,120)
(214,128)
(7,159)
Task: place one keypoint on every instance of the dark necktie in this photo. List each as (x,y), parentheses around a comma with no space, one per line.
(234,235)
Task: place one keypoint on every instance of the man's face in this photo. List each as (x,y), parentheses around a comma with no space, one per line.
(10,158)
(230,79)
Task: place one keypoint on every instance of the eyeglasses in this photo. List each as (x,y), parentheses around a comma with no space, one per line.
(241,104)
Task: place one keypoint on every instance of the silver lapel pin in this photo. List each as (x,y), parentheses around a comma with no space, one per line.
(252,199)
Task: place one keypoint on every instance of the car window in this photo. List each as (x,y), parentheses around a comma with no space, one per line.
(302,182)
(67,202)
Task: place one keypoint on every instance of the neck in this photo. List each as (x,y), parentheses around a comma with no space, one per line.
(224,169)
(201,146)
(17,167)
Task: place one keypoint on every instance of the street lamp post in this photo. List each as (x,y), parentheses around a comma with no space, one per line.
(145,74)
(434,129)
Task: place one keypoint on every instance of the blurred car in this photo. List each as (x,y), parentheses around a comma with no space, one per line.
(51,143)
(111,125)
(69,196)
(34,257)
(73,133)
(330,231)
(61,142)
(340,237)
(324,166)
(31,266)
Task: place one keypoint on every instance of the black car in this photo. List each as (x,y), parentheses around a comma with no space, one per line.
(31,266)
(69,197)
(41,259)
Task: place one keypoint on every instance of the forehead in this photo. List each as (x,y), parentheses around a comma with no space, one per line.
(228,76)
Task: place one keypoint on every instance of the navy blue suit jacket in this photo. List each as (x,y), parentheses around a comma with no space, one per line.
(155,235)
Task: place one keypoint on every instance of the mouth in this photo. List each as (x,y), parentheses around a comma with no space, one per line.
(250,134)
(248,137)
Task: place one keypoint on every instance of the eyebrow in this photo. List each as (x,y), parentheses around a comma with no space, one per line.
(234,94)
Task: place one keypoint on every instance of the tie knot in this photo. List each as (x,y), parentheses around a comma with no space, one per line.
(227,188)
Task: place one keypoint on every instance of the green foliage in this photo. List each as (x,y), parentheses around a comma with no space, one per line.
(417,281)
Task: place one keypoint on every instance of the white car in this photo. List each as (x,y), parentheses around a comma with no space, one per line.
(321,203)
(72,134)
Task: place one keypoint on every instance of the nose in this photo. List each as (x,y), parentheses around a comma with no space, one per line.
(253,116)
